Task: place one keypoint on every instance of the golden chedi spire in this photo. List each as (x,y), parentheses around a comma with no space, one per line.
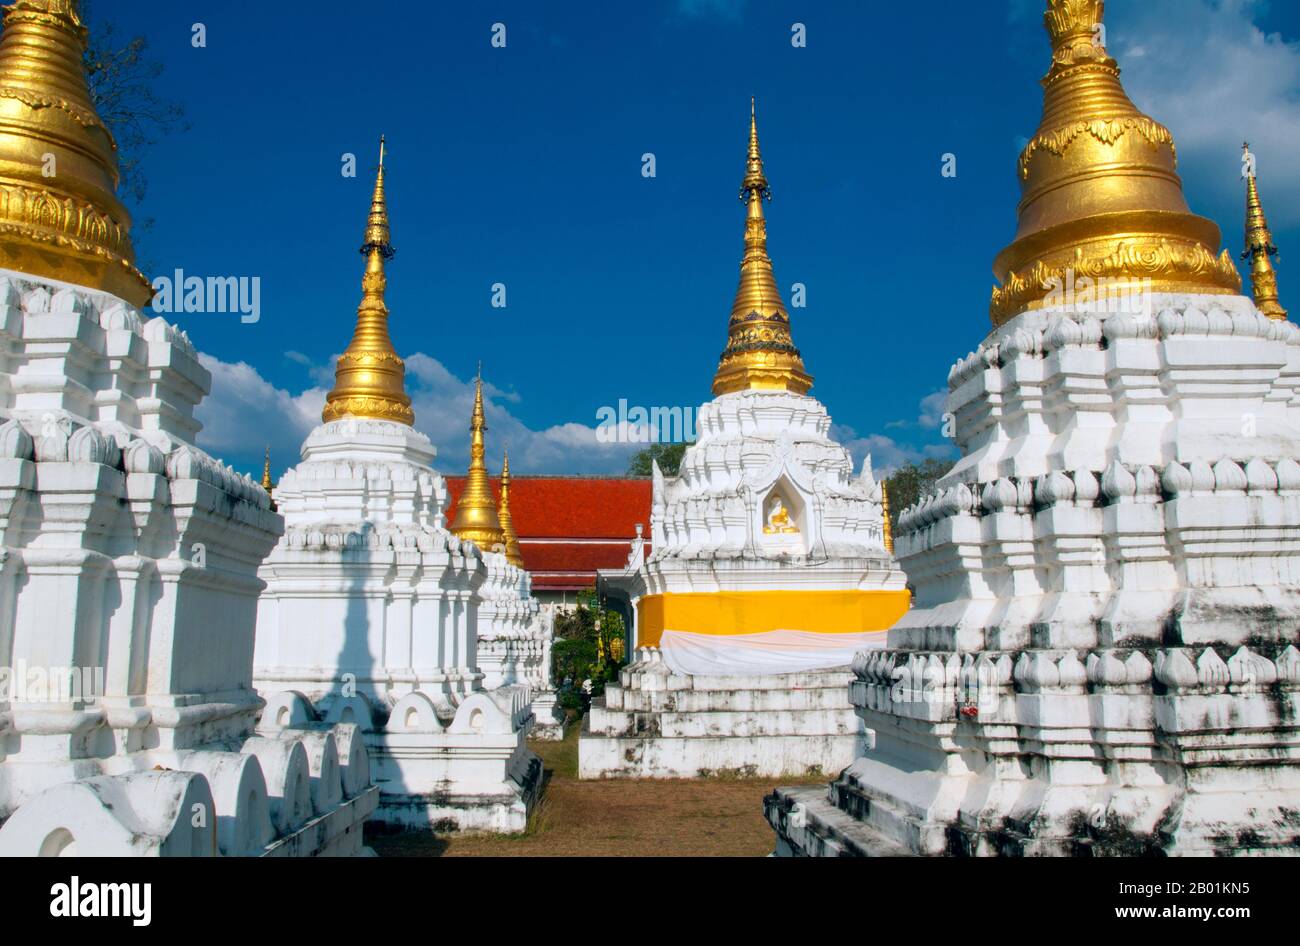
(1259,248)
(476,510)
(369,378)
(885,524)
(266,478)
(760,353)
(59,215)
(513,553)
(1100,196)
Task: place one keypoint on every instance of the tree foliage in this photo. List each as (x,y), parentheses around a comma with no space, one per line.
(911,482)
(669,456)
(586,649)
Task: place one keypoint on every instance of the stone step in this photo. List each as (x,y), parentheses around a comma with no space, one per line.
(808,825)
(753,723)
(879,817)
(647,756)
(707,701)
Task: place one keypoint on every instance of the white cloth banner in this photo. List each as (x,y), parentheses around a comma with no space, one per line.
(770,652)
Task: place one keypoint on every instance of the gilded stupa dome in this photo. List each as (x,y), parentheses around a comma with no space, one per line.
(1100,194)
(59,214)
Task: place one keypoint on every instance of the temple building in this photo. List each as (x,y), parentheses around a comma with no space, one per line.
(767,569)
(570,527)
(128,556)
(1101,658)
(373,610)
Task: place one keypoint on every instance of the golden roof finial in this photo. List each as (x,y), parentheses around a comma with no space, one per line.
(476,510)
(760,353)
(1100,194)
(60,217)
(1259,247)
(513,553)
(369,380)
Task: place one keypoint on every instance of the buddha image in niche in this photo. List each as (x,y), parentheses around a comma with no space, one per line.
(778,519)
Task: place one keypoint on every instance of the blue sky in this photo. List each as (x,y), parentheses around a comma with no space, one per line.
(522,165)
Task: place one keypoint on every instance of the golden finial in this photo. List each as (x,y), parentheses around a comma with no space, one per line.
(1100,194)
(513,553)
(760,353)
(369,380)
(266,477)
(886,525)
(477,518)
(60,217)
(1259,246)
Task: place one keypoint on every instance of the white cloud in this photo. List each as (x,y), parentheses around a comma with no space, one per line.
(932,406)
(245,411)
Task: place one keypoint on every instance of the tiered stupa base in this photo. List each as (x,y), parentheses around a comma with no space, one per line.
(465,767)
(658,724)
(1103,657)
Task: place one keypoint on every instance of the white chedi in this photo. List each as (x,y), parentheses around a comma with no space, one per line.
(515,637)
(507,615)
(373,612)
(129,560)
(1102,657)
(366,588)
(765,500)
(767,566)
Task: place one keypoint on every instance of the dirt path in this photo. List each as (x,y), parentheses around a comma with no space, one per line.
(646,817)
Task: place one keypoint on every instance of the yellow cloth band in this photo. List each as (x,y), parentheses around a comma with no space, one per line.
(758,612)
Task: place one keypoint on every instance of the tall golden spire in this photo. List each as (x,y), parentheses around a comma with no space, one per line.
(760,353)
(886,525)
(513,553)
(1259,249)
(1100,196)
(266,477)
(59,214)
(476,510)
(369,378)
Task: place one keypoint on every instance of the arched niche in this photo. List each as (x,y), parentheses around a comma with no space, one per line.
(783,518)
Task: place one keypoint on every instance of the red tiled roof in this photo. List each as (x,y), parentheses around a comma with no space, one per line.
(571,507)
(573,556)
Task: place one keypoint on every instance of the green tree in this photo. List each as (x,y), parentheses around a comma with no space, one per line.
(669,456)
(911,482)
(589,645)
